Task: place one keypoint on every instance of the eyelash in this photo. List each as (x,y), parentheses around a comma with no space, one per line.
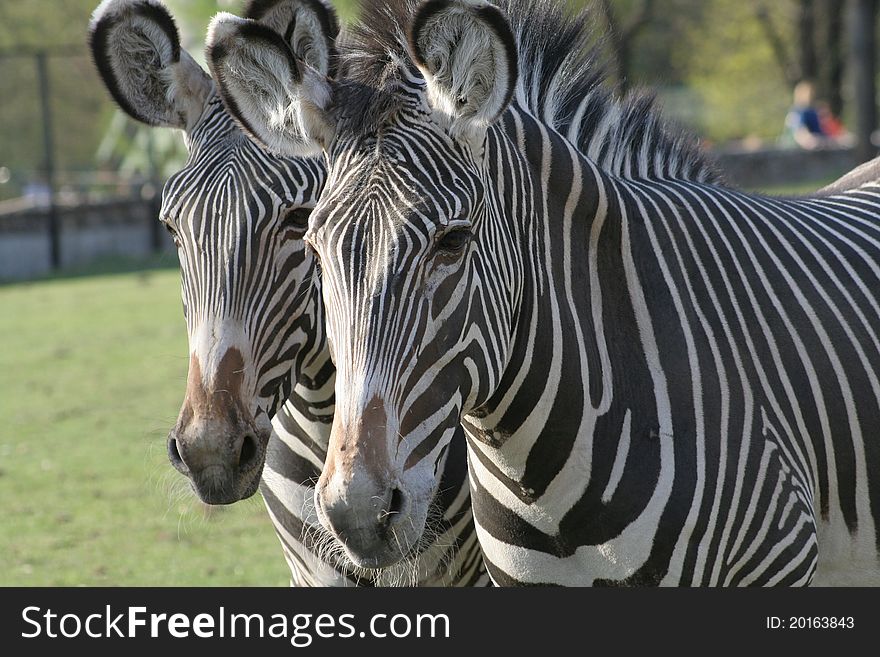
(172,232)
(296,219)
(454,240)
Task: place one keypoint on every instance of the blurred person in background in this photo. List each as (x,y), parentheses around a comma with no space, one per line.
(803,125)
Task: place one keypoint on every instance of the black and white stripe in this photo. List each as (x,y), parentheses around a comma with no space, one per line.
(238,215)
(663,381)
(244,270)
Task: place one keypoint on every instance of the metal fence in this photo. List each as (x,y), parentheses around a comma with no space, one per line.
(54,116)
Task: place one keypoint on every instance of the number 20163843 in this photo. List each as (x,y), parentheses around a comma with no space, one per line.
(810,622)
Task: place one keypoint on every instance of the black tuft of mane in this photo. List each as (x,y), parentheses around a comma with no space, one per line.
(562,82)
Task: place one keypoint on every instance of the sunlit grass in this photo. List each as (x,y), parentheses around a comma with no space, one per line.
(92,373)
(796,189)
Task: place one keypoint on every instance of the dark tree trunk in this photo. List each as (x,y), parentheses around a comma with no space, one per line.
(863,20)
(807,59)
(832,66)
(790,72)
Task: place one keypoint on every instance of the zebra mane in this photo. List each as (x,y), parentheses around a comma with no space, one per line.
(562,82)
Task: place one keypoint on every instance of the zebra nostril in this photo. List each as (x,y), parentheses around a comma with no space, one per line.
(174,455)
(397,507)
(396,501)
(248,452)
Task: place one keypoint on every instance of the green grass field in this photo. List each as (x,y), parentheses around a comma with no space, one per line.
(92,373)
(797,189)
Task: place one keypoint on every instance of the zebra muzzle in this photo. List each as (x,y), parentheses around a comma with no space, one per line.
(369,519)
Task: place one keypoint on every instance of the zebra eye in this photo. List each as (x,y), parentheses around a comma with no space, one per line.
(172,232)
(455,240)
(296,219)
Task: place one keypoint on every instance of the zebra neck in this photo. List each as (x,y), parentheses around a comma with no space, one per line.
(303,423)
(557,392)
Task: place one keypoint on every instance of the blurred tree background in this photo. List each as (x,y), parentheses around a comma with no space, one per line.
(725,68)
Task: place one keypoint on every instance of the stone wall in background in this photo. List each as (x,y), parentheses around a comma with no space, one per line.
(772,167)
(87,232)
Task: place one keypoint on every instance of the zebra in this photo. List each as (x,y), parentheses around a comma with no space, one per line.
(252,307)
(663,380)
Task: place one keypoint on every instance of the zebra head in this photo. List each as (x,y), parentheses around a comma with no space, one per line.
(400,231)
(238,216)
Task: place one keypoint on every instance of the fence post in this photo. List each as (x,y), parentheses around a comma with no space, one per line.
(155,200)
(49,158)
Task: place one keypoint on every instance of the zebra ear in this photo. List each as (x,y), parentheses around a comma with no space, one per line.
(136,48)
(309,28)
(467,53)
(276,99)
